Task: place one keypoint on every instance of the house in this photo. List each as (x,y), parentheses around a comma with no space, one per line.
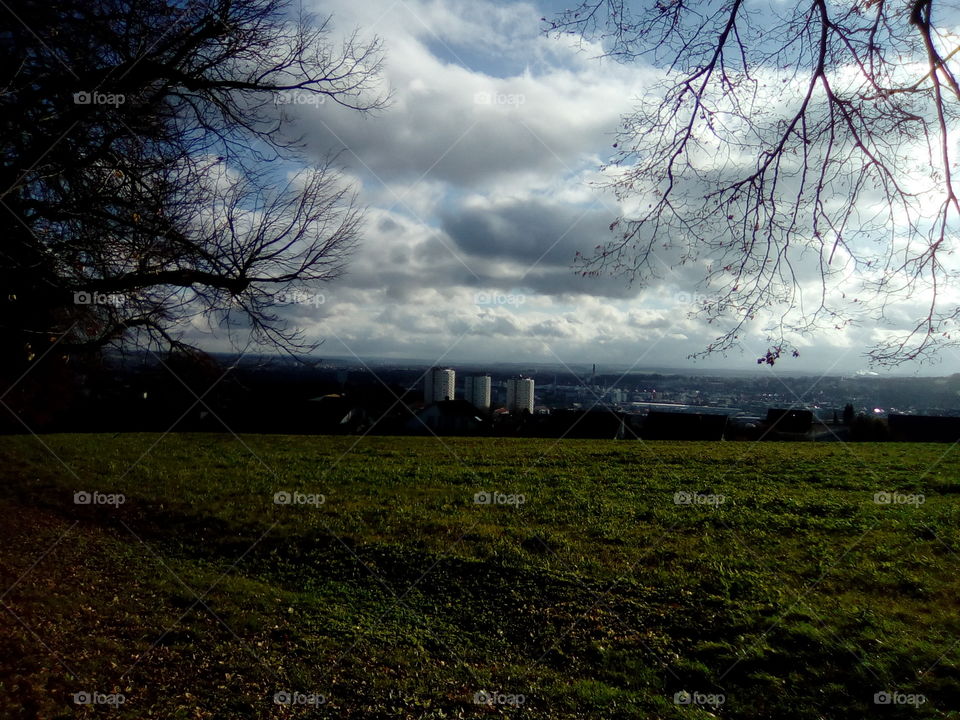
(790,420)
(332,414)
(448,417)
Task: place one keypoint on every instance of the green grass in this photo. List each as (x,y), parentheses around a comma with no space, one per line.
(798,596)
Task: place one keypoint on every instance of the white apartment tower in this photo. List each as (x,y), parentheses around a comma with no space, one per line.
(520,394)
(476,390)
(438,384)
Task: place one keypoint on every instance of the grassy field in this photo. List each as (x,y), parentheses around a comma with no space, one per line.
(603,579)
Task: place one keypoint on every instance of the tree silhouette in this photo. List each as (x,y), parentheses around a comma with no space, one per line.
(150,176)
(848,414)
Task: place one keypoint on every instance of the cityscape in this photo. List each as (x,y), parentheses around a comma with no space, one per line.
(738,405)
(383,397)
(683,391)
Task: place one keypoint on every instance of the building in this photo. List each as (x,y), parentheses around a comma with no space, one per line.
(520,394)
(334,414)
(476,390)
(438,385)
(789,420)
(448,417)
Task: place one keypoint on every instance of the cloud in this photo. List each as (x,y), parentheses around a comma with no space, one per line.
(466,125)
(533,232)
(478,184)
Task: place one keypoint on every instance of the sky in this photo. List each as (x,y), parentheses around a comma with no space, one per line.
(478,182)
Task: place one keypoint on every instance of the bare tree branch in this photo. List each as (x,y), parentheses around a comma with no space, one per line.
(801,154)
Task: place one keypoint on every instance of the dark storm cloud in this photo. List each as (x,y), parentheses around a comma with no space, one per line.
(533,232)
(539,240)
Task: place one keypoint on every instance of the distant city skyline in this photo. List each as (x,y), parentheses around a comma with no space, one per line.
(789,367)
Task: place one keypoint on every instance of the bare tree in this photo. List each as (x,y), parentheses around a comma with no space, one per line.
(802,154)
(150,175)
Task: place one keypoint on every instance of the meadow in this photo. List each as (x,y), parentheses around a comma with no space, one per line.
(214,576)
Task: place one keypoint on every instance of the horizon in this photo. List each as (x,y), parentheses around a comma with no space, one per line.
(782,370)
